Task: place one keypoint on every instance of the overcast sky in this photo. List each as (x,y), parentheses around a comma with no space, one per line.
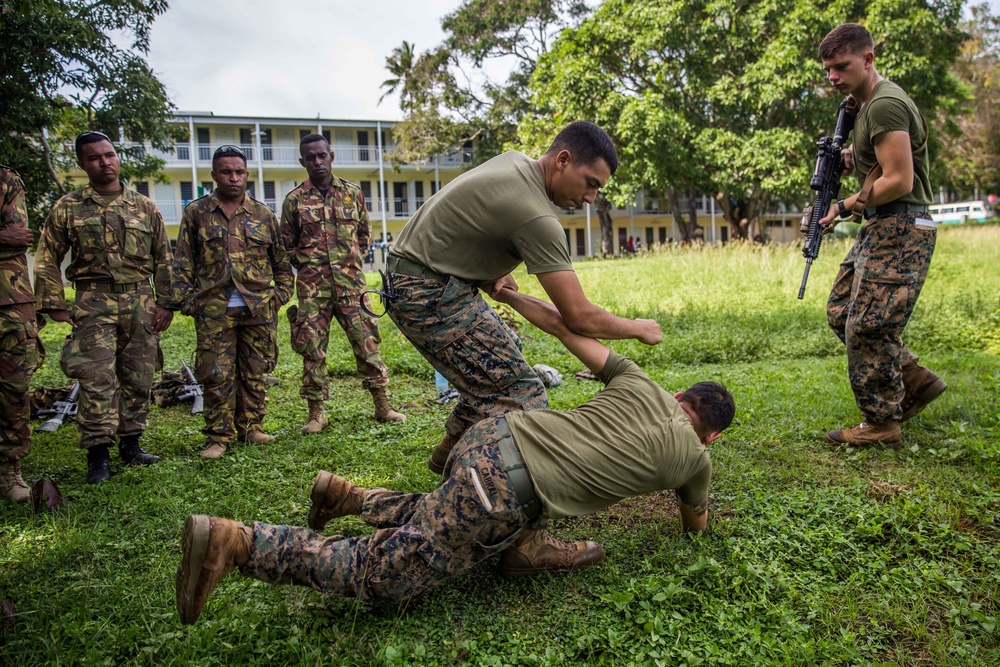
(295,58)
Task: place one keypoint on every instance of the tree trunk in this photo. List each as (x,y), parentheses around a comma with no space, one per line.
(678,215)
(603,207)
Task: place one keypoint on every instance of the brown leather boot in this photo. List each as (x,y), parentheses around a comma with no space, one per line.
(536,551)
(384,411)
(213,451)
(440,454)
(866,434)
(333,496)
(256,436)
(12,486)
(921,387)
(317,419)
(210,548)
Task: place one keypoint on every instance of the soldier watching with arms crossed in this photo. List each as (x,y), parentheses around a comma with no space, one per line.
(18,335)
(879,281)
(118,243)
(505,475)
(229,252)
(325,227)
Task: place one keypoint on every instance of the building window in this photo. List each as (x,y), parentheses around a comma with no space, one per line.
(183,152)
(252,189)
(418,188)
(363,153)
(581,243)
(247,142)
(270,197)
(402,208)
(266,151)
(663,234)
(187,191)
(204,144)
(649,236)
(206,188)
(622,239)
(142,187)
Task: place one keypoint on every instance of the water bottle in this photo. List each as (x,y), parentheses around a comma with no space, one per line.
(440,382)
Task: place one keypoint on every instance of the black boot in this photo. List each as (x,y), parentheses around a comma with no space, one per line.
(98,464)
(134,455)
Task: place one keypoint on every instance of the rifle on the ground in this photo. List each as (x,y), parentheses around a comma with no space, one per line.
(60,410)
(826,183)
(192,391)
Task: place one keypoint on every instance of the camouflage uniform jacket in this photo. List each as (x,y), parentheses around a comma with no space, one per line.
(216,255)
(328,237)
(122,242)
(15,286)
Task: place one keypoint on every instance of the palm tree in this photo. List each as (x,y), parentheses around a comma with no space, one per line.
(400,65)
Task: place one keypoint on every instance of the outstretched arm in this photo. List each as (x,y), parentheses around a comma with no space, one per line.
(546,317)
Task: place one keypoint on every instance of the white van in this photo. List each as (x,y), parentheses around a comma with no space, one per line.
(960,211)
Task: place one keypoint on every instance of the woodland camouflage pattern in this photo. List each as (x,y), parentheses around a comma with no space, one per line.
(112,351)
(871,302)
(466,341)
(422,539)
(328,237)
(18,330)
(216,255)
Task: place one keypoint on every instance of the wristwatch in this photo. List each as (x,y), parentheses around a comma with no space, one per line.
(841,209)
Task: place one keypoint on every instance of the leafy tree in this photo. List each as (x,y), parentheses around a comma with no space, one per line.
(727,96)
(448,101)
(969,163)
(63,72)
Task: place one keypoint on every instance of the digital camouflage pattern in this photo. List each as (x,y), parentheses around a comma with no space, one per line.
(216,254)
(465,340)
(18,330)
(422,539)
(112,353)
(328,236)
(872,299)
(123,242)
(233,354)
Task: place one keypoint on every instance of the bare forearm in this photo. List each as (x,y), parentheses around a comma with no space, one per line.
(595,322)
(542,314)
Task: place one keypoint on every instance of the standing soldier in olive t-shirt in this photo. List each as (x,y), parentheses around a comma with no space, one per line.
(325,227)
(232,275)
(879,281)
(506,475)
(18,334)
(118,243)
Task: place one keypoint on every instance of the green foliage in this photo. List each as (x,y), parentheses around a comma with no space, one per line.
(817,555)
(64,72)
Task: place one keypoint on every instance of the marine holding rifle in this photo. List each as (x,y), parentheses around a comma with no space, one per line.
(118,244)
(881,277)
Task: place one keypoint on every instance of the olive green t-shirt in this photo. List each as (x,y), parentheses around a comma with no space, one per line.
(630,439)
(482,225)
(890,109)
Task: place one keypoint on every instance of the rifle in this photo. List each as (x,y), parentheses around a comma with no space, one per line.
(826,183)
(60,410)
(192,391)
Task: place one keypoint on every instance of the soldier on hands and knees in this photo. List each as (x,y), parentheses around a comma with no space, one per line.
(879,281)
(121,269)
(504,477)
(232,275)
(324,224)
(18,335)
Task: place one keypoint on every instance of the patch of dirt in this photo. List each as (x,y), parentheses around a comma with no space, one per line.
(634,511)
(883,491)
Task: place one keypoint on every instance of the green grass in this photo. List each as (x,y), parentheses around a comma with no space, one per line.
(810,560)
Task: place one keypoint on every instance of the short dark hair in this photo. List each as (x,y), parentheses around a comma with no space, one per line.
(713,404)
(586,142)
(229,151)
(89,138)
(310,139)
(851,38)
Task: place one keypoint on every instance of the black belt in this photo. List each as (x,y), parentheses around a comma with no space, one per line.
(894,207)
(517,472)
(107,288)
(405,267)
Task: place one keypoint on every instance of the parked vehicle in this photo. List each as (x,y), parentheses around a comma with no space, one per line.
(960,211)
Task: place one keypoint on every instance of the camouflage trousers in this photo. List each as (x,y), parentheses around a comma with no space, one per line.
(872,299)
(234,352)
(310,323)
(18,360)
(422,538)
(112,353)
(465,340)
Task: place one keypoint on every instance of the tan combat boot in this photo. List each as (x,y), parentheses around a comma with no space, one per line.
(866,434)
(213,451)
(921,387)
(333,496)
(210,549)
(256,436)
(536,551)
(384,411)
(440,454)
(317,419)
(12,486)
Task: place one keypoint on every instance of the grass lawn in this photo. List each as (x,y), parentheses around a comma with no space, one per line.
(817,555)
